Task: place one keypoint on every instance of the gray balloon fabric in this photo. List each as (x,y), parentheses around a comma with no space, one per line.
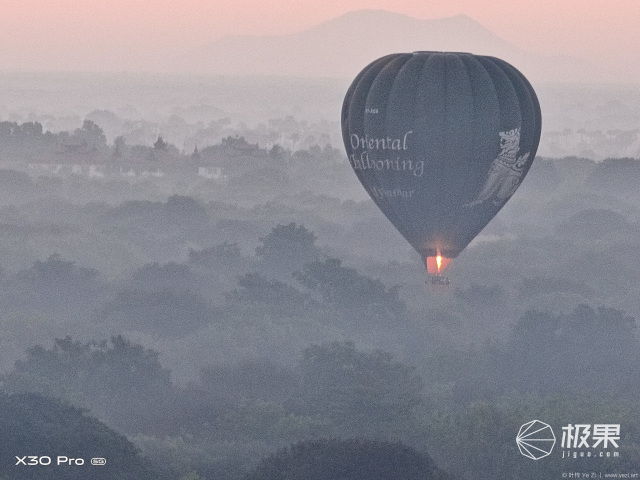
(440,141)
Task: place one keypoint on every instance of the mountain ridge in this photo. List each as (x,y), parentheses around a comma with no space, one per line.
(342,46)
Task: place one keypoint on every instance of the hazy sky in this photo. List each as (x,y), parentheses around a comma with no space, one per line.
(127,34)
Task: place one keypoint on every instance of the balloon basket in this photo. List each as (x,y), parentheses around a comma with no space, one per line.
(440,280)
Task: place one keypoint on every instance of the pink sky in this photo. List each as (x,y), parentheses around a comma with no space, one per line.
(118,34)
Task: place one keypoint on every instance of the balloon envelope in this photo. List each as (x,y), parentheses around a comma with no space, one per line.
(440,141)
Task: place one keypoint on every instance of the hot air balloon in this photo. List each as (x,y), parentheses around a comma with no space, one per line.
(440,141)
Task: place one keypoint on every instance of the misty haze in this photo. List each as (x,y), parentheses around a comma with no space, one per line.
(195,286)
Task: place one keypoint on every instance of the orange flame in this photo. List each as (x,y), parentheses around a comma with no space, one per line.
(436,265)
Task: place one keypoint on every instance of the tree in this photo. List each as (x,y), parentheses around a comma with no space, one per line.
(119,146)
(160,144)
(16,185)
(164,313)
(249,380)
(7,129)
(359,297)
(91,135)
(28,129)
(108,121)
(270,295)
(120,382)
(353,459)
(287,248)
(593,346)
(225,255)
(358,392)
(55,284)
(277,153)
(238,143)
(35,425)
(181,209)
(173,276)
(478,440)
